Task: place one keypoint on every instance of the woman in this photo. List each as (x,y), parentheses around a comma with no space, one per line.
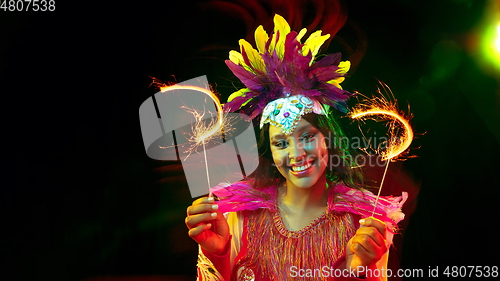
(295,216)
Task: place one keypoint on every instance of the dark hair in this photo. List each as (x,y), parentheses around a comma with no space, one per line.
(267,174)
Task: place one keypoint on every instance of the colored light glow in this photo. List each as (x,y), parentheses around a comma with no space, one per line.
(381,109)
(491,45)
(490,36)
(498,39)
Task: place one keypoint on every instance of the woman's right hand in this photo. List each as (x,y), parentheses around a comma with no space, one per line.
(207,226)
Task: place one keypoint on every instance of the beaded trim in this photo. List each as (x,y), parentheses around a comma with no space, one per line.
(285,113)
(280,226)
(289,130)
(273,249)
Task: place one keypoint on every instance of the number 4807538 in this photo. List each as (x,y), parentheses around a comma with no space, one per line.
(28,5)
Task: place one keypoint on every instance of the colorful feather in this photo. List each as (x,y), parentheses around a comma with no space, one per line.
(281,66)
(242,196)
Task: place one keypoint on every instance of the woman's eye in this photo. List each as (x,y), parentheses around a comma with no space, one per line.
(280,144)
(308,137)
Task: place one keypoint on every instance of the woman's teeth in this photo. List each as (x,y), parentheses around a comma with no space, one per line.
(301,168)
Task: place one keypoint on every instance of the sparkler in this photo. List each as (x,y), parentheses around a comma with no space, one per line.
(201,133)
(380,108)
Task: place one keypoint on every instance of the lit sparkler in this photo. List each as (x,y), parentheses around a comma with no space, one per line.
(201,132)
(380,108)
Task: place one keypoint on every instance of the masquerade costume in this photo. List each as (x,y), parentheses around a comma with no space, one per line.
(284,83)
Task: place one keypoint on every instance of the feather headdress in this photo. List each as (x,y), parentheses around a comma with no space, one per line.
(283,66)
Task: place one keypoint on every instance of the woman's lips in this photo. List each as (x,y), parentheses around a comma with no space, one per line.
(304,172)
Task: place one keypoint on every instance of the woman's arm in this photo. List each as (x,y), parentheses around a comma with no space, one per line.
(219,266)
(214,267)
(367,252)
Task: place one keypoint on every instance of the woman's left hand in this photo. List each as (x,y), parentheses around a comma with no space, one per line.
(367,246)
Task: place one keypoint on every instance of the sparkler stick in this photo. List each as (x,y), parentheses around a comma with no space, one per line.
(381,108)
(206,168)
(380,188)
(200,131)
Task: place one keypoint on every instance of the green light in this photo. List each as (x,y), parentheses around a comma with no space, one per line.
(491,46)
(490,37)
(498,38)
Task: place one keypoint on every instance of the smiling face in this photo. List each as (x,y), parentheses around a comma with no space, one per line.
(301,157)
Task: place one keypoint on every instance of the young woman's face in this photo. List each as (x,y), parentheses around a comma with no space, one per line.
(301,157)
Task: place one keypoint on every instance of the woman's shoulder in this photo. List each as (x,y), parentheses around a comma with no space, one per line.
(362,202)
(242,196)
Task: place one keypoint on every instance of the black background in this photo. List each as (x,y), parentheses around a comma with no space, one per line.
(80,198)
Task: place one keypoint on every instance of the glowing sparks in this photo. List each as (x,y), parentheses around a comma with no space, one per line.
(381,109)
(201,132)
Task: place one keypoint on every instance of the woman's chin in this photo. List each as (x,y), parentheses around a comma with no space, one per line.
(303,183)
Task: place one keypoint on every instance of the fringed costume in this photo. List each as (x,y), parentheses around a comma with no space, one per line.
(261,248)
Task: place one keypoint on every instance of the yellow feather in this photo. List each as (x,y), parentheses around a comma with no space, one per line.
(261,38)
(282,26)
(301,34)
(306,48)
(236,57)
(344,66)
(336,82)
(253,56)
(313,43)
(238,93)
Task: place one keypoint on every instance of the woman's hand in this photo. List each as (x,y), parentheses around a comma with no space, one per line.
(367,246)
(207,226)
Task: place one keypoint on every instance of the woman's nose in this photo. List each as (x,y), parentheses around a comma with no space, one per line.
(296,151)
